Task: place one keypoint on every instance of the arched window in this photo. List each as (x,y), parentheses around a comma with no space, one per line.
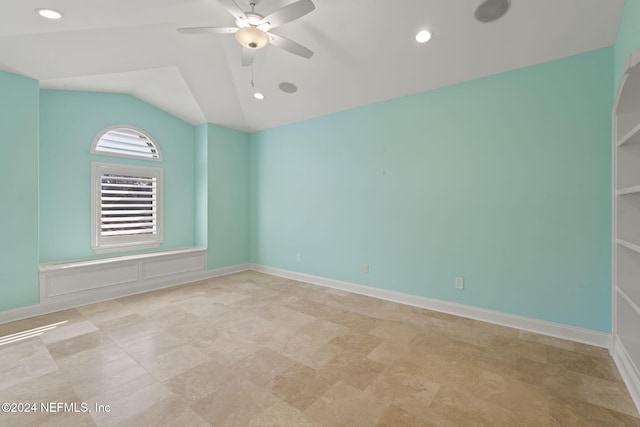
(126,141)
(126,208)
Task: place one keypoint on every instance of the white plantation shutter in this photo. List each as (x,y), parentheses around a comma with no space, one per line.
(129,142)
(127,207)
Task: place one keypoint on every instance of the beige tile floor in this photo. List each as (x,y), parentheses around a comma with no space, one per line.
(256,350)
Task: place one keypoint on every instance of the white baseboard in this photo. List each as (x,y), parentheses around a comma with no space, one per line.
(107,294)
(628,371)
(224,271)
(585,336)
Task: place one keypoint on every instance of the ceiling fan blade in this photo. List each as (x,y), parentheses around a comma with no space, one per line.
(208,30)
(233,8)
(247,56)
(288,13)
(290,46)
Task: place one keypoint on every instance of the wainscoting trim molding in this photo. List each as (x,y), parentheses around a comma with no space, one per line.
(71,280)
(107,293)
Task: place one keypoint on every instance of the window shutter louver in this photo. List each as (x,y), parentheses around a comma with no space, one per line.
(128,205)
(126,142)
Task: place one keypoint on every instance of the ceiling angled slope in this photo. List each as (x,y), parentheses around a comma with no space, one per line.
(364,51)
(163,87)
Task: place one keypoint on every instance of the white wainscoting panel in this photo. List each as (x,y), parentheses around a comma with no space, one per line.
(97,294)
(71,280)
(172,264)
(62,282)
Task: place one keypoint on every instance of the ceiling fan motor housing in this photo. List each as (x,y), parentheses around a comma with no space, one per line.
(252,19)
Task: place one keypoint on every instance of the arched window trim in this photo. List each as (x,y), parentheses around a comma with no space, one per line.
(153,154)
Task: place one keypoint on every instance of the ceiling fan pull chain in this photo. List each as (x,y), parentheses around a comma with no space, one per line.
(252,74)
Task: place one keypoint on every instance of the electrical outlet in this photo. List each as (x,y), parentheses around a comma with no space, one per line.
(459,282)
(365,268)
(298,258)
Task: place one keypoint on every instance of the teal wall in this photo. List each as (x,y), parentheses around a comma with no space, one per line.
(47,135)
(69,120)
(228,196)
(628,39)
(18,191)
(504,180)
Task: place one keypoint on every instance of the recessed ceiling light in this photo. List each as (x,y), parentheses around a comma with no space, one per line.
(423,36)
(49,13)
(258,95)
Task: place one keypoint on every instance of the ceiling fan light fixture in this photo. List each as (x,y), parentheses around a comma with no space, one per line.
(49,13)
(259,96)
(252,38)
(252,30)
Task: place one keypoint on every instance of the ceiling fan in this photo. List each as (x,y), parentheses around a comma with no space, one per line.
(252,30)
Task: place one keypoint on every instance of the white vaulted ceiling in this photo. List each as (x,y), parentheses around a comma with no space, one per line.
(365,51)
